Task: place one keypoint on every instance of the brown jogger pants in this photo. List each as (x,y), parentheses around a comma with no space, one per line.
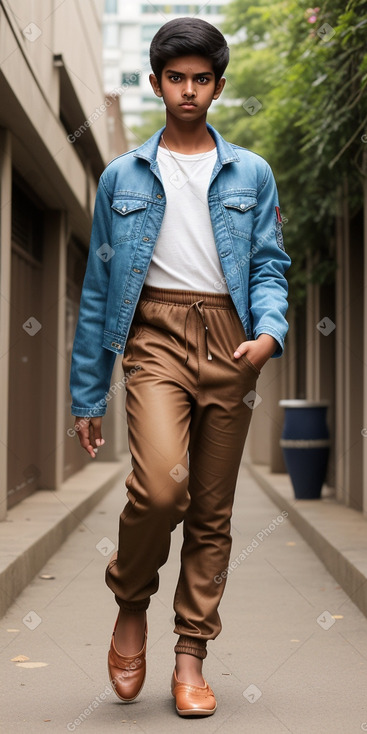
(188,417)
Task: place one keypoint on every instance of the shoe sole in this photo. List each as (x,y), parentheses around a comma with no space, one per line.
(195,712)
(125,700)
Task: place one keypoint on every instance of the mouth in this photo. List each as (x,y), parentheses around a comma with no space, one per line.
(188,105)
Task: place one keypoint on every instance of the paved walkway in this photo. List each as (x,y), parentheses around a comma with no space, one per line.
(292,656)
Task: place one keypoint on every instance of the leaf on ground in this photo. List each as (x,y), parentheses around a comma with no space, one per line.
(19,659)
(31,665)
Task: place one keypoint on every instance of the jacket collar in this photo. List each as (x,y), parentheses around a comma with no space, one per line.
(148,151)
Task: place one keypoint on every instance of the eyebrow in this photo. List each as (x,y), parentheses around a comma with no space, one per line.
(181,73)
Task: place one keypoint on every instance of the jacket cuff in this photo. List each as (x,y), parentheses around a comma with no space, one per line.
(83,412)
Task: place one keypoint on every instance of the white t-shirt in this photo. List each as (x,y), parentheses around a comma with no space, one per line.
(185,256)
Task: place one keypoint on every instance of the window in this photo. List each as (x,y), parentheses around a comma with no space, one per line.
(145,60)
(132,78)
(148,31)
(150,98)
(183,8)
(111,35)
(214,9)
(186,9)
(150,8)
(27,223)
(205,8)
(110,6)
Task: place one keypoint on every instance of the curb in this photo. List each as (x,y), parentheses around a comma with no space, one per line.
(336,533)
(36,528)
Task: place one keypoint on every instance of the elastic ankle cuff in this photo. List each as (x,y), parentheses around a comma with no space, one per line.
(133,606)
(191,646)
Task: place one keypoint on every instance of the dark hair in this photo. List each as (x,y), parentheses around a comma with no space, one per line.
(186,36)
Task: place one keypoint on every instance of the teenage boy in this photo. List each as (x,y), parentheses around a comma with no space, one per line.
(185,279)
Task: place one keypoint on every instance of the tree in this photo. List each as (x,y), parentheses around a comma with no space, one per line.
(307,67)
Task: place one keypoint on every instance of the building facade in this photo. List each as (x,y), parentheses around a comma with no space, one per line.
(58,130)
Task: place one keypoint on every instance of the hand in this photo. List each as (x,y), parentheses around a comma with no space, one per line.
(89,432)
(258,351)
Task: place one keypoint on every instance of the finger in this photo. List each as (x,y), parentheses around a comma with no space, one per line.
(91,448)
(241,349)
(88,446)
(91,451)
(83,434)
(96,432)
(82,429)
(84,437)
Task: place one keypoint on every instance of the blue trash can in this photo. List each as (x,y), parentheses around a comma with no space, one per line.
(305,443)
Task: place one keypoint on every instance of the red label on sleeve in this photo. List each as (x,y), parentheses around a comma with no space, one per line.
(279,216)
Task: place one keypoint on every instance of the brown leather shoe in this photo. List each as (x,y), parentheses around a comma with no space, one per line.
(127,672)
(192,700)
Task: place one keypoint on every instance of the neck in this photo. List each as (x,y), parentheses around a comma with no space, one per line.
(188,137)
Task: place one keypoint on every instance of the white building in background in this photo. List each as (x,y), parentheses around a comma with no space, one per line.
(129,26)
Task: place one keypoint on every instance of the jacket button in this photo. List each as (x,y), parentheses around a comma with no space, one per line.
(136,270)
(123,209)
(159,196)
(127,300)
(145,239)
(242,206)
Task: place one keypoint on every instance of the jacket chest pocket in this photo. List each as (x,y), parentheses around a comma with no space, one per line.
(127,219)
(239,212)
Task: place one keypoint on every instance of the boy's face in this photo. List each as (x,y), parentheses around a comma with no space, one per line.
(187,86)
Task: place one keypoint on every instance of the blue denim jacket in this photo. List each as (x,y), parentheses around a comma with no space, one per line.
(129,209)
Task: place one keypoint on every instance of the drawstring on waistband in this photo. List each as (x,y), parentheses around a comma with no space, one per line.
(200,310)
(187,298)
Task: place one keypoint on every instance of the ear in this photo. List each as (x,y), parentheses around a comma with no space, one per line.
(219,88)
(155,85)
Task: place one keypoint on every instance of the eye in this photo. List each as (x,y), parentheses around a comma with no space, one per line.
(174,78)
(203,79)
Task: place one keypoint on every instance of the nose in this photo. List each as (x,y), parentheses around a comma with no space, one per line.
(189,89)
